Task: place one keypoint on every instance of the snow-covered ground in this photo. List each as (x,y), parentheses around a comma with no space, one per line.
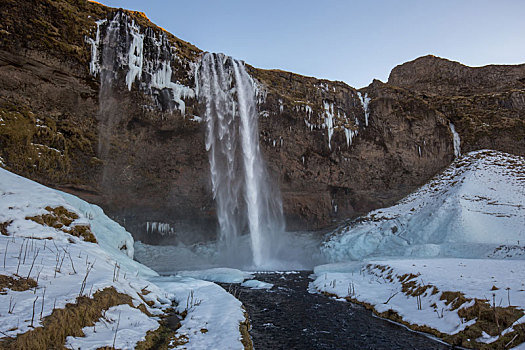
(380,283)
(475,209)
(213,314)
(35,245)
(462,232)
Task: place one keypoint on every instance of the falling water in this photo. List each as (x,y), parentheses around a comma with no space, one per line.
(245,198)
(456,140)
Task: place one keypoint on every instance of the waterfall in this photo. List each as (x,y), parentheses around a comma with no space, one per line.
(456,140)
(109,110)
(246,200)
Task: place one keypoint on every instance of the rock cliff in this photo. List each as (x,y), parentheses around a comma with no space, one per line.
(101,102)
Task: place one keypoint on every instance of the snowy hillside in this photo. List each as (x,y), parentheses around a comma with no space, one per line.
(468,224)
(67,277)
(475,208)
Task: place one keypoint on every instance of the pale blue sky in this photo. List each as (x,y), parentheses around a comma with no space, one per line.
(351,41)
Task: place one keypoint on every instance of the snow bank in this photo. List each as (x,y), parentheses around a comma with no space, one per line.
(60,269)
(473,207)
(213,315)
(379,283)
(254,284)
(66,267)
(123,324)
(58,261)
(22,197)
(218,274)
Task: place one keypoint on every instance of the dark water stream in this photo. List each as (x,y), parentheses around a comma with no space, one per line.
(289,317)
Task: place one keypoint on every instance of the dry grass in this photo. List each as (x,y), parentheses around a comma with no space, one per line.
(164,337)
(67,322)
(61,218)
(493,320)
(455,299)
(3,227)
(244,328)
(17,284)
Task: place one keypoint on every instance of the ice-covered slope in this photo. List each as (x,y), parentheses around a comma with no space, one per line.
(475,208)
(21,198)
(46,263)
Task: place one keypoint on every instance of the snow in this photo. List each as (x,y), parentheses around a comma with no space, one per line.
(254,284)
(60,264)
(218,274)
(122,323)
(473,209)
(369,283)
(461,232)
(210,308)
(60,268)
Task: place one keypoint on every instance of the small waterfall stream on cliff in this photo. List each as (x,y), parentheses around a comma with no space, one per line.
(246,199)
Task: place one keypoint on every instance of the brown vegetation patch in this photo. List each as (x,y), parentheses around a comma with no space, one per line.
(406,277)
(61,218)
(3,227)
(164,337)
(455,299)
(491,319)
(67,322)
(244,328)
(17,284)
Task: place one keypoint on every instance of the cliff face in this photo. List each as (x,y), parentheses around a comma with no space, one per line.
(102,103)
(486,104)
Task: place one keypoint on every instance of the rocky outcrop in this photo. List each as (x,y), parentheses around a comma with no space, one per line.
(486,104)
(437,76)
(116,121)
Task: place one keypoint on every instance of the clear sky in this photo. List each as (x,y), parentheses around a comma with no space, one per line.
(351,41)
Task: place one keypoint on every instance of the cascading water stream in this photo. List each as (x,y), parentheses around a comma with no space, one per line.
(245,198)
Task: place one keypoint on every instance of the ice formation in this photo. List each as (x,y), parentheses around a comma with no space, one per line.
(471,209)
(94,65)
(329,120)
(456,140)
(135,55)
(365,100)
(147,56)
(162,80)
(160,227)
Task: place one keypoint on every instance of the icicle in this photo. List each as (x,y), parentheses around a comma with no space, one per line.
(135,55)
(364,102)
(94,65)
